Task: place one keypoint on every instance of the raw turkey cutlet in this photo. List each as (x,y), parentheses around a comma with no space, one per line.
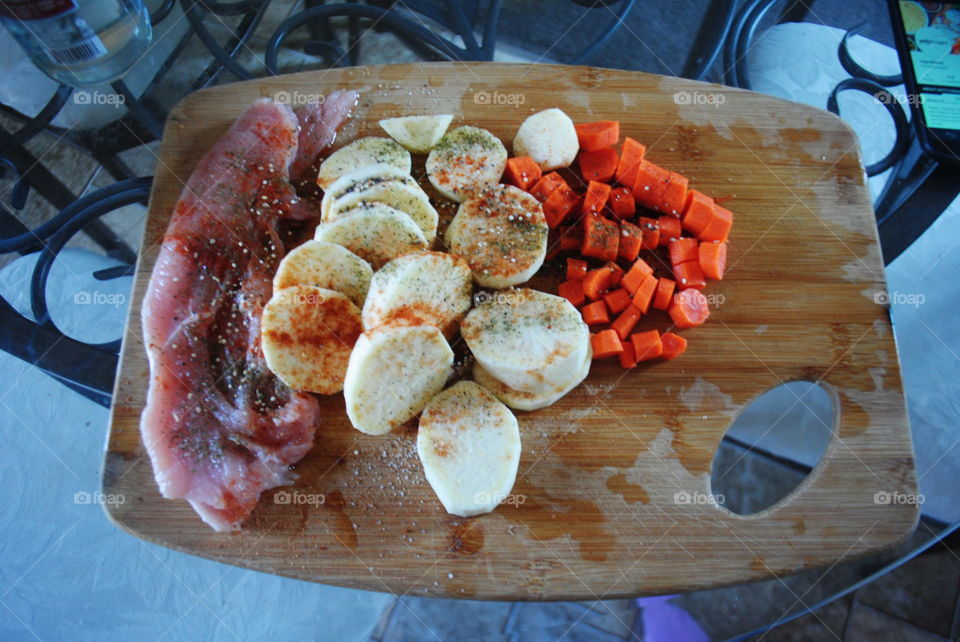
(219,427)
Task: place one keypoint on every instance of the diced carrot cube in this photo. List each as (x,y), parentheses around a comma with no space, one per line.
(649,184)
(545,186)
(698,210)
(689,275)
(631,153)
(617,300)
(651,232)
(718,229)
(669,229)
(558,205)
(683,250)
(712,256)
(673,345)
(605,344)
(616,273)
(665,288)
(596,282)
(621,203)
(596,198)
(623,324)
(523,172)
(572,291)
(646,345)
(627,357)
(595,313)
(576,269)
(599,134)
(644,294)
(601,238)
(598,165)
(674,194)
(637,273)
(631,240)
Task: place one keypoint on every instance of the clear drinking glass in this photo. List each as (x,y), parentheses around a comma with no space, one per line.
(82,43)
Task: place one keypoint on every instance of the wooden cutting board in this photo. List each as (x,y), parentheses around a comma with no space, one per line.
(596,511)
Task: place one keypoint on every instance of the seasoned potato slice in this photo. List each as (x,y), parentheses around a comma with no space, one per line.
(417,133)
(393,372)
(410,199)
(502,234)
(362,153)
(375,232)
(469,445)
(325,265)
(520,400)
(307,335)
(360,180)
(530,340)
(428,288)
(464,161)
(549,138)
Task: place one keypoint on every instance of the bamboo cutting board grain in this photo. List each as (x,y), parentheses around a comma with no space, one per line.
(595,510)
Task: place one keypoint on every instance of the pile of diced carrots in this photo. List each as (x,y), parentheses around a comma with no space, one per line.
(630,206)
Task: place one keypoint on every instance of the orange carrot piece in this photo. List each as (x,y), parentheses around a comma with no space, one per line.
(689,275)
(644,294)
(631,153)
(596,198)
(689,309)
(595,313)
(637,273)
(674,194)
(712,256)
(683,250)
(572,291)
(570,238)
(617,300)
(697,211)
(631,240)
(718,229)
(651,232)
(596,282)
(646,345)
(605,344)
(649,185)
(597,135)
(669,228)
(627,358)
(601,238)
(621,203)
(576,269)
(673,345)
(616,273)
(665,288)
(623,324)
(558,205)
(545,186)
(598,165)
(523,172)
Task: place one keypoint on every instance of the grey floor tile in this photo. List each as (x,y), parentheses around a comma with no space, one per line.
(923,592)
(416,618)
(869,625)
(613,616)
(826,623)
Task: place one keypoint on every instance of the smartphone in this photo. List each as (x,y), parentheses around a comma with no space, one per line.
(928,42)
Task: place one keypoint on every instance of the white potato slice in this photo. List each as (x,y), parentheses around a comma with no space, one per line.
(410,199)
(307,334)
(325,265)
(520,400)
(549,138)
(530,340)
(393,372)
(362,153)
(363,179)
(469,445)
(502,234)
(375,232)
(464,161)
(417,133)
(428,288)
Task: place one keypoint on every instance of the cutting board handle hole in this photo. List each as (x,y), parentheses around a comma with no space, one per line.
(772,447)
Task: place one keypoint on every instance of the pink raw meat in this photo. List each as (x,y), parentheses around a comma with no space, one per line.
(219,427)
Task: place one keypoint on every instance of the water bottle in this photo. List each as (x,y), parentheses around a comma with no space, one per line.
(82,43)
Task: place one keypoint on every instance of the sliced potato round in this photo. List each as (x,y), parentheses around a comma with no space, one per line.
(464,161)
(361,153)
(549,138)
(325,265)
(417,133)
(362,179)
(469,445)
(520,400)
(530,340)
(307,334)
(410,199)
(375,232)
(502,233)
(393,372)
(427,288)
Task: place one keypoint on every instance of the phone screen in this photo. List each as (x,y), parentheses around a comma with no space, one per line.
(933,39)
